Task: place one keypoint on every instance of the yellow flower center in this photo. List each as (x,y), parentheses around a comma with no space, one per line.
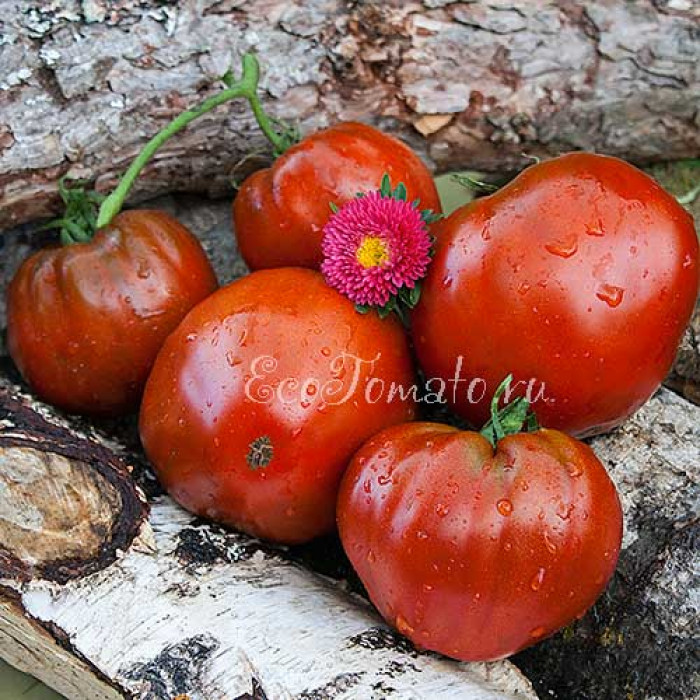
(372,252)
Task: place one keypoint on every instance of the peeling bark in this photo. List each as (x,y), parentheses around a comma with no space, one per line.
(469,84)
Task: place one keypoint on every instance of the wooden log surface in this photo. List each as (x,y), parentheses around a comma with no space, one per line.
(483,84)
(193,614)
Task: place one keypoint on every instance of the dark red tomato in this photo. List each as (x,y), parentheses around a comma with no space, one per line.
(279,212)
(259,399)
(582,273)
(474,553)
(85,321)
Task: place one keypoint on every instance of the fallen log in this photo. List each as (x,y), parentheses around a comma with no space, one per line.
(484,84)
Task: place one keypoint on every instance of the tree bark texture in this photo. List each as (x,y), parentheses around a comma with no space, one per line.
(484,84)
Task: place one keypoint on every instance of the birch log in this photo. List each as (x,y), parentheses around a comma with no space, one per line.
(481,83)
(176,607)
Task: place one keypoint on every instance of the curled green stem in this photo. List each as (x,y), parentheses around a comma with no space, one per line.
(514,417)
(246,87)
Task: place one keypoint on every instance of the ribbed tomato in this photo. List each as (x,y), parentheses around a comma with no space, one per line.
(85,321)
(478,552)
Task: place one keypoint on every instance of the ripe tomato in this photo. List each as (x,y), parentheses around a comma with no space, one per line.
(477,553)
(279,212)
(257,402)
(86,321)
(582,273)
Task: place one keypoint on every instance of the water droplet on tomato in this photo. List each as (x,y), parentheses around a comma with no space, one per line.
(296,432)
(370,557)
(382,454)
(523,288)
(447,281)
(429,444)
(217,442)
(422,535)
(311,389)
(486,232)
(537,632)
(610,294)
(573,469)
(384,479)
(325,352)
(537,579)
(564,510)
(367,486)
(563,249)
(504,507)
(191,337)
(403,626)
(551,547)
(596,230)
(305,403)
(427,587)
(243,335)
(441,510)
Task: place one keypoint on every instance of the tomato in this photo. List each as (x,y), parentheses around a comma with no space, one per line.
(86,321)
(474,552)
(259,399)
(582,273)
(279,212)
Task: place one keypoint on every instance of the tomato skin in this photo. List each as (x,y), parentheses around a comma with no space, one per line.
(279,212)
(200,424)
(86,321)
(581,273)
(473,553)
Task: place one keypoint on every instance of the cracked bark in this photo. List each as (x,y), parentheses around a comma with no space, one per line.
(468,84)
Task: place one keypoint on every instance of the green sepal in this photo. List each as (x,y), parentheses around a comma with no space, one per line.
(515,417)
(79,220)
(333,207)
(473,184)
(363,308)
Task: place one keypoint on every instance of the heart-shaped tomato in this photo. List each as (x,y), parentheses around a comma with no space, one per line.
(477,553)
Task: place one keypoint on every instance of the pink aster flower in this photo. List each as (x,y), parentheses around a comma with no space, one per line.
(374,246)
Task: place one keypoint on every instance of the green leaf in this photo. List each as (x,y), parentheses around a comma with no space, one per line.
(362,308)
(414,295)
(334,207)
(513,418)
(400,192)
(385,188)
(430,217)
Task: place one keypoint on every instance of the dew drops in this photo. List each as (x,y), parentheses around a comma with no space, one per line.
(551,547)
(325,351)
(610,294)
(217,442)
(296,432)
(191,337)
(523,288)
(447,281)
(311,389)
(537,632)
(403,626)
(427,587)
(367,486)
(537,579)
(596,230)
(504,507)
(486,233)
(231,359)
(441,510)
(563,249)
(243,335)
(371,558)
(422,535)
(384,479)
(574,470)
(564,510)
(687,261)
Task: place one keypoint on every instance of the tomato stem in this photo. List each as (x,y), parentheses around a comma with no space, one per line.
(514,417)
(281,140)
(246,87)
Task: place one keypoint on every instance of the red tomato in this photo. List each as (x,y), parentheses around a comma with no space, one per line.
(255,405)
(474,553)
(86,321)
(279,212)
(582,273)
